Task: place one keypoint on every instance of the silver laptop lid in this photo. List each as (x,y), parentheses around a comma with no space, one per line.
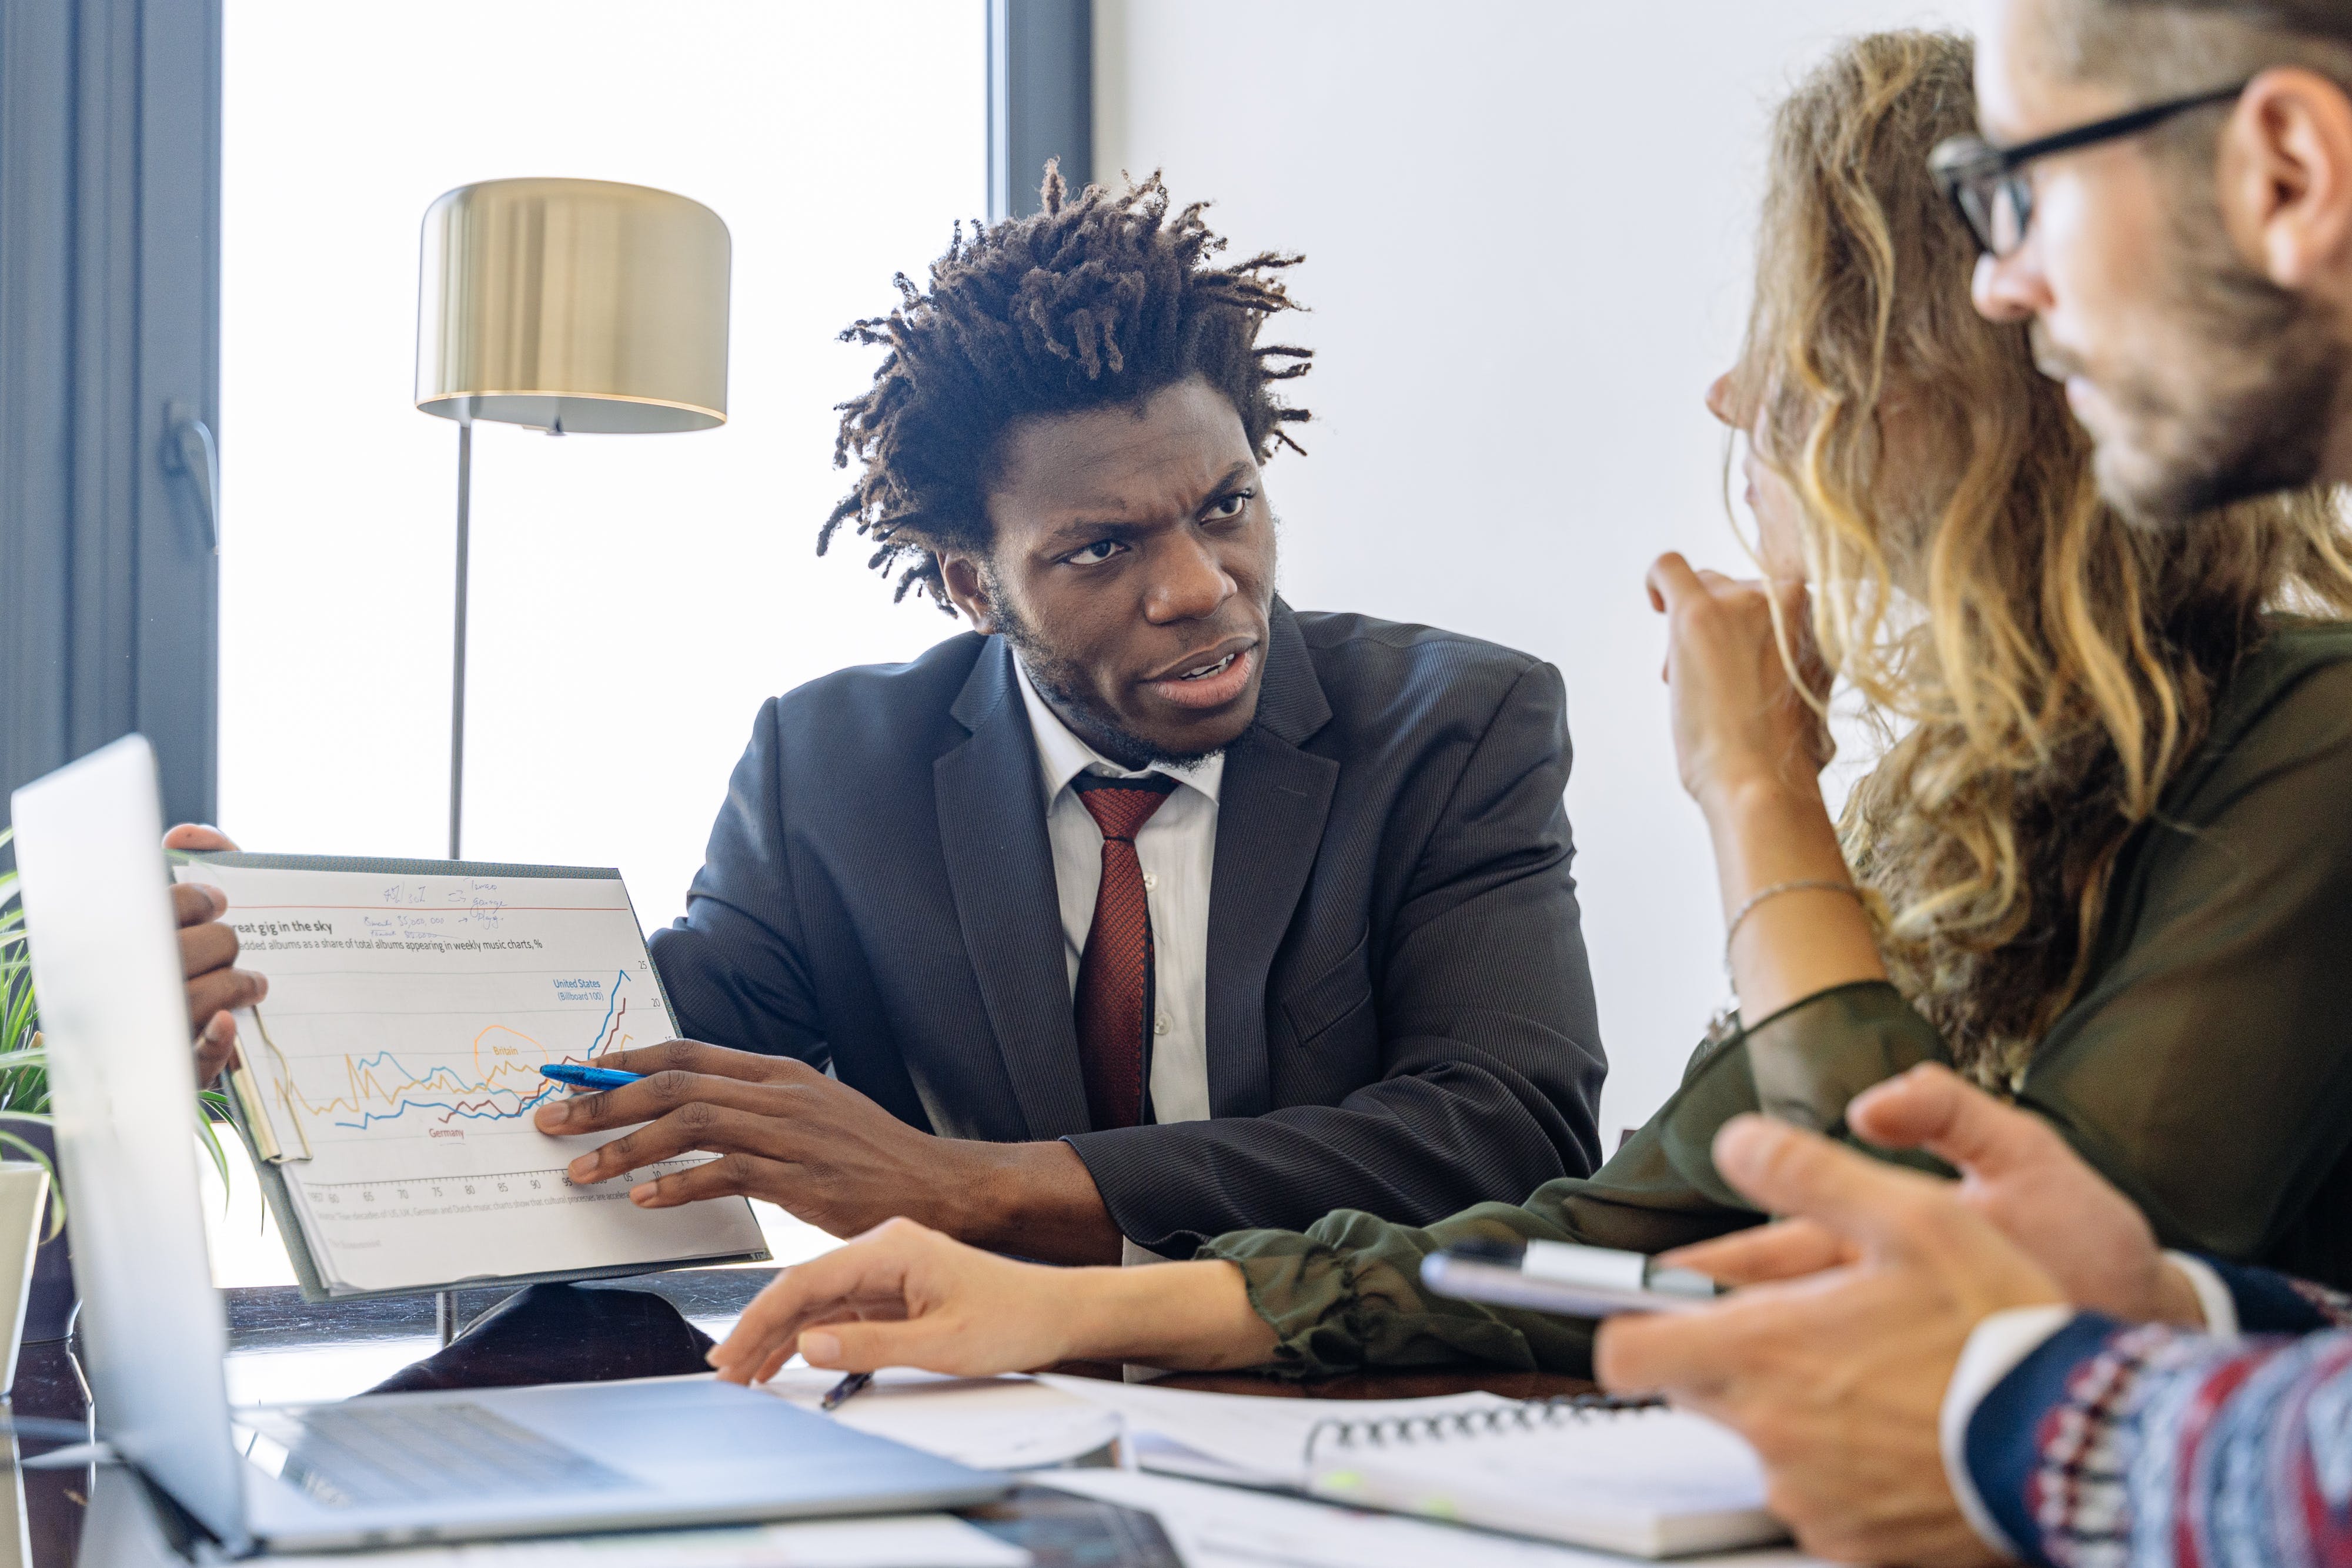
(106,967)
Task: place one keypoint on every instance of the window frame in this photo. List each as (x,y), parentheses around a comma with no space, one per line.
(1041,100)
(110,386)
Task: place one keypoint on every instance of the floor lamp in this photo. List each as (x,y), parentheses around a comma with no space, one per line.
(576,306)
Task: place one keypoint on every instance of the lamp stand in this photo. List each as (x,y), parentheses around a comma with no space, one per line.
(458,663)
(444,1302)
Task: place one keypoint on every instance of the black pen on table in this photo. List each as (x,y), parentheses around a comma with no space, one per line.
(846,1389)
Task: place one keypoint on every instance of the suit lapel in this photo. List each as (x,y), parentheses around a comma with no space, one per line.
(992,830)
(1270,812)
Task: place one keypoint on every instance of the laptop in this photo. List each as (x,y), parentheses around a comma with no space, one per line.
(382,1469)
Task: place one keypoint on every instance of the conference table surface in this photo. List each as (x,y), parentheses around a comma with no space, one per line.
(283,1349)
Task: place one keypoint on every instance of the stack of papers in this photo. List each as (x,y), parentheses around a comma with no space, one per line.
(1221,1527)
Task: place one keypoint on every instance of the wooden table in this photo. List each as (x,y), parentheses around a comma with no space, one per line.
(284,1349)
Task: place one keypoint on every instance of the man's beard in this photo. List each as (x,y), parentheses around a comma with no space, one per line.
(2263,370)
(1063,686)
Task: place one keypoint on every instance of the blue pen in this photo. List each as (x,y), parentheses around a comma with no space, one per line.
(588,1077)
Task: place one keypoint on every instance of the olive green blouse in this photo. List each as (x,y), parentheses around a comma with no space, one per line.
(2205,1068)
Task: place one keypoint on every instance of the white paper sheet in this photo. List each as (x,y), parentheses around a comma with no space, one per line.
(988,1423)
(408,1015)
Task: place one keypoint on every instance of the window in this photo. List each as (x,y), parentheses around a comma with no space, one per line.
(634,598)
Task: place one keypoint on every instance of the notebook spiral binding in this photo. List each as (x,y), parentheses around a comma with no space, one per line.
(1527,1416)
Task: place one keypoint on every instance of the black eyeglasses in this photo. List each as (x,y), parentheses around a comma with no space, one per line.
(1987,183)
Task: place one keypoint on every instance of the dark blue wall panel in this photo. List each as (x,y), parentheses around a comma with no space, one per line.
(109,306)
(1041,101)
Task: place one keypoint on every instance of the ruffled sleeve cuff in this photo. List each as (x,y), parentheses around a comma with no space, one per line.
(1348,1295)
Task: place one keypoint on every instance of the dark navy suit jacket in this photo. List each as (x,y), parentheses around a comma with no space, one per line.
(1400,1012)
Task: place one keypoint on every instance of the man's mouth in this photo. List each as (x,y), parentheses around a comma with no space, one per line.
(1208,680)
(1206,671)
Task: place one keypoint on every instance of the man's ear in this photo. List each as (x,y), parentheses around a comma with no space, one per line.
(967,587)
(2286,181)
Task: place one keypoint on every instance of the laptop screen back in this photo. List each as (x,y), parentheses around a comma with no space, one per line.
(105,968)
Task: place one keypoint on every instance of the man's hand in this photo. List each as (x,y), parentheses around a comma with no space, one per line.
(901,1295)
(2017,1172)
(208,957)
(786,1132)
(1838,1377)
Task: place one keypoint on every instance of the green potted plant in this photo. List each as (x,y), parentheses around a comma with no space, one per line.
(26,1129)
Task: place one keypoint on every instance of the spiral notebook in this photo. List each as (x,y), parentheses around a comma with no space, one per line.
(1632,1477)
(1637,1479)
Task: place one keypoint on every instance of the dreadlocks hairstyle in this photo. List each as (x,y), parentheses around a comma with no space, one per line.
(1091,303)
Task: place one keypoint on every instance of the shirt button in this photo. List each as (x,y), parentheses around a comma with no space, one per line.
(1160,1025)
(1151,880)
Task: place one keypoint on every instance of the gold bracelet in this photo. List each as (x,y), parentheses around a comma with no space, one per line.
(1802,884)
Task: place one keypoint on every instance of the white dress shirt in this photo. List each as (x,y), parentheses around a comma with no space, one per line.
(1177,850)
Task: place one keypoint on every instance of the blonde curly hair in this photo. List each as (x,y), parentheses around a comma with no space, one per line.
(2039,668)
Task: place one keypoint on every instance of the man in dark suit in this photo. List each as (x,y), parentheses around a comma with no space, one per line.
(1149,908)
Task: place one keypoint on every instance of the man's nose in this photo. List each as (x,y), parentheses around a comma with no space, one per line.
(2009,288)
(1189,581)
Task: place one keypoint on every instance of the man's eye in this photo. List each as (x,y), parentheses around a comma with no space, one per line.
(1227,508)
(1096,553)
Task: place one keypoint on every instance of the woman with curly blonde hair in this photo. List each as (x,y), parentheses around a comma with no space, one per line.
(2104,865)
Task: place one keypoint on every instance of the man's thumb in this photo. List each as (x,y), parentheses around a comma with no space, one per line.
(1931,1108)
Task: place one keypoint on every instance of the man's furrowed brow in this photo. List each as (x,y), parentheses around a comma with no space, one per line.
(1232,478)
(1080,532)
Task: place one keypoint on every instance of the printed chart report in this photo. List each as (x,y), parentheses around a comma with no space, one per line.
(396,1058)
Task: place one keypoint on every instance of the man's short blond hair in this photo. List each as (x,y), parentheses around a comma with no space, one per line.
(2164,49)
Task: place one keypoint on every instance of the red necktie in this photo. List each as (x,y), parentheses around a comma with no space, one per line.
(1113,1003)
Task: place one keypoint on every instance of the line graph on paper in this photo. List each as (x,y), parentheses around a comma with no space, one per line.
(433,1053)
(396,1061)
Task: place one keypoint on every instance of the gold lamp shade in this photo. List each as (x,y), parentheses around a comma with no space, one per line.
(574,305)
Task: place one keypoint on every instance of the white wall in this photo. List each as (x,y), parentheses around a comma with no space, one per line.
(635,597)
(1526,224)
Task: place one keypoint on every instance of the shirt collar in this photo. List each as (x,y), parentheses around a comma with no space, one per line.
(1061,756)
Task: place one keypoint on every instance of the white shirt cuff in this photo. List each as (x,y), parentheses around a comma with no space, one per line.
(1992,1352)
(2221,1307)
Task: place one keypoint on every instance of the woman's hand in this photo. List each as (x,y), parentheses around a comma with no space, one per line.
(901,1295)
(1751,747)
(1738,719)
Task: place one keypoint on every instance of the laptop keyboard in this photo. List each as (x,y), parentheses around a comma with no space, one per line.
(366,1454)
